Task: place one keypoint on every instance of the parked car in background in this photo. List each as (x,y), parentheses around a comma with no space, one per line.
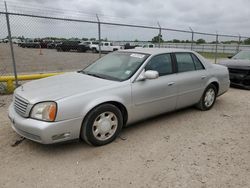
(145,46)
(129,46)
(5,40)
(93,45)
(120,88)
(16,41)
(107,47)
(53,44)
(29,43)
(66,46)
(239,69)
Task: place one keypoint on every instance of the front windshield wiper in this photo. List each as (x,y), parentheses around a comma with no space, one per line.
(99,75)
(90,74)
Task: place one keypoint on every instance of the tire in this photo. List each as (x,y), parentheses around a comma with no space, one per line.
(59,49)
(94,50)
(208,98)
(102,125)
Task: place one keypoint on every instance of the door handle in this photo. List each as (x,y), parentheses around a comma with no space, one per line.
(171,83)
(203,77)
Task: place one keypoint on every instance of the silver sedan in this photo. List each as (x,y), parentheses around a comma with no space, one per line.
(118,89)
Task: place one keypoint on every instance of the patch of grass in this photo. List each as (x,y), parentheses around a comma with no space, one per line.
(211,55)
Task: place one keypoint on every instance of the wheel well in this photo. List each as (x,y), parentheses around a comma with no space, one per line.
(122,108)
(216,85)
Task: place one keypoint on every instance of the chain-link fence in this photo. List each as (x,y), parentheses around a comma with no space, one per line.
(56,42)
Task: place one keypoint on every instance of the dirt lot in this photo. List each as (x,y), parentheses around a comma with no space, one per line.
(29,60)
(188,148)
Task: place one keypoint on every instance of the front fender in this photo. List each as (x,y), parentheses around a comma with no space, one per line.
(101,100)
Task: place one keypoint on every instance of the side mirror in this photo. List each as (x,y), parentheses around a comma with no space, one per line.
(229,57)
(150,74)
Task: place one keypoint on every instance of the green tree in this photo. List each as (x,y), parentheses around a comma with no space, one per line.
(176,41)
(157,38)
(247,41)
(200,41)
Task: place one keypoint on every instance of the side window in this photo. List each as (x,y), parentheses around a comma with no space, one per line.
(160,63)
(184,62)
(106,44)
(197,63)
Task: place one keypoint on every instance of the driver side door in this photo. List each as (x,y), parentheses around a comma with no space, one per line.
(155,96)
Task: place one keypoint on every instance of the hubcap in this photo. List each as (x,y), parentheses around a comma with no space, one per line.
(209,97)
(105,126)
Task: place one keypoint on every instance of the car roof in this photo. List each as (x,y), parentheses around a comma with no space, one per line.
(153,51)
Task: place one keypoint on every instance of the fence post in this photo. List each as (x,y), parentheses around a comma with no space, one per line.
(11,44)
(216,49)
(192,39)
(238,47)
(159,36)
(99,35)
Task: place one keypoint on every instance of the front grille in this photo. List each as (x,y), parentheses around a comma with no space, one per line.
(238,71)
(21,106)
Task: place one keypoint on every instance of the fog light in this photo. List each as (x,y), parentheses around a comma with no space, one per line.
(60,136)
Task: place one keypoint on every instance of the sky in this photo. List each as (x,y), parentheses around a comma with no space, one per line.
(212,16)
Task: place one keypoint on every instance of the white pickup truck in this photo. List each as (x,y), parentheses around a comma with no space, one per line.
(105,46)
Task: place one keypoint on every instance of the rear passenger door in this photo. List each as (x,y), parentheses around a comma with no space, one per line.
(191,79)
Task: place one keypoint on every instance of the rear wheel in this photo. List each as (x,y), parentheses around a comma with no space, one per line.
(208,98)
(94,50)
(59,49)
(102,125)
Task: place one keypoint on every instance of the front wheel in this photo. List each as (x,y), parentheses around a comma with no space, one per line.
(208,98)
(102,125)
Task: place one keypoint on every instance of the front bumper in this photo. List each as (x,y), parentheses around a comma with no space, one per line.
(240,81)
(45,132)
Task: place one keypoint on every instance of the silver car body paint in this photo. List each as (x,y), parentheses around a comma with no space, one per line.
(76,94)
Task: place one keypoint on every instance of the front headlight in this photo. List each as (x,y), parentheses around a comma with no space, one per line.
(45,111)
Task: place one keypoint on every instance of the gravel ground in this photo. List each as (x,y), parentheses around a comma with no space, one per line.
(188,148)
(29,60)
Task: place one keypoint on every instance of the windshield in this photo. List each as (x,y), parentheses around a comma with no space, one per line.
(242,55)
(117,66)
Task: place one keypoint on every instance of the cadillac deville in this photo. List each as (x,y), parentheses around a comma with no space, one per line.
(118,89)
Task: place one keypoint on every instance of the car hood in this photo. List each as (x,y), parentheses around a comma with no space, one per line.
(56,87)
(236,63)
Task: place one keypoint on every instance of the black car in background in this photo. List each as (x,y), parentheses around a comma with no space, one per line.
(66,46)
(239,69)
(29,44)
